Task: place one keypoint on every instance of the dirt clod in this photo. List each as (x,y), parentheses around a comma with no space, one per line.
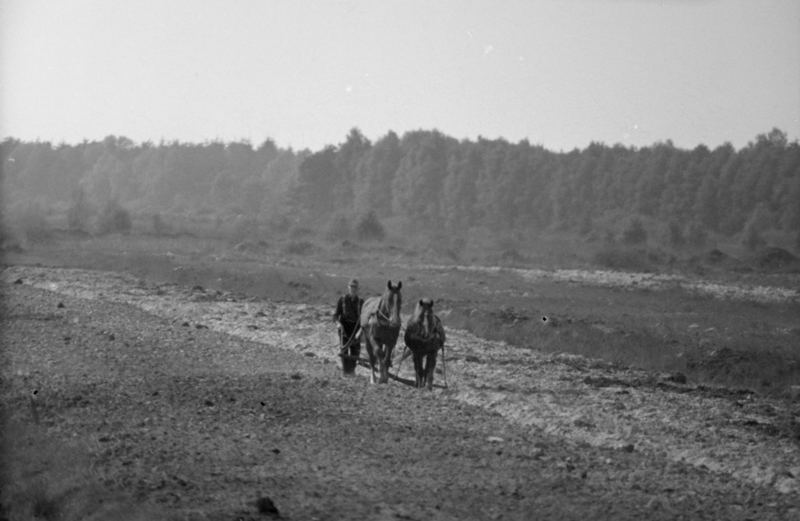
(267,507)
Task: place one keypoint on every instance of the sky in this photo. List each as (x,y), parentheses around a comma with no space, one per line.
(559,73)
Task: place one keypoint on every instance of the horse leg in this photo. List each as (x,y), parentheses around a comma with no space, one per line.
(418,370)
(355,352)
(430,367)
(424,363)
(421,383)
(384,364)
(388,349)
(371,347)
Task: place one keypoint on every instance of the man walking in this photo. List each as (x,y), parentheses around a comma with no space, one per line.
(348,314)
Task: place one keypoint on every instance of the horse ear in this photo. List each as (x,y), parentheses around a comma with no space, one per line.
(389,284)
(399,285)
(420,302)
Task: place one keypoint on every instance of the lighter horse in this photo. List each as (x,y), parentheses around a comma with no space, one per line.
(380,322)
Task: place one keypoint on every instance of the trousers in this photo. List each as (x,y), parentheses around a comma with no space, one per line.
(351,346)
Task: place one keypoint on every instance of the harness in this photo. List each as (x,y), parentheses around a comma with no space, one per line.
(430,344)
(345,345)
(381,314)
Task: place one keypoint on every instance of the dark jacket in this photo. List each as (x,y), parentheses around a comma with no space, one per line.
(348,309)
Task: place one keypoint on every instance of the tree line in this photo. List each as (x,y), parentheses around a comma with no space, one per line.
(428,181)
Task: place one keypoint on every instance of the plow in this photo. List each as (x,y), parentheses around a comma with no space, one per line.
(363,362)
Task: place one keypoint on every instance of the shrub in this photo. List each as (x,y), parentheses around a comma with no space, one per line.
(113,218)
(299,248)
(29,219)
(370,228)
(80,213)
(512,255)
(635,232)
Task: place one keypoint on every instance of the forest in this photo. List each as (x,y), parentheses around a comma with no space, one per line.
(422,182)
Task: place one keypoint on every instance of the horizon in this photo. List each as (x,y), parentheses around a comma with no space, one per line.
(561,75)
(255,145)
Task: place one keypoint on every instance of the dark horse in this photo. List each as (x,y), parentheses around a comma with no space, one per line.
(380,322)
(424,337)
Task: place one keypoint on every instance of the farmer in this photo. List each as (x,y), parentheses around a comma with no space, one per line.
(347,314)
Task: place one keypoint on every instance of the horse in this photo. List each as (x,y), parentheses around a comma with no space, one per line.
(380,322)
(424,336)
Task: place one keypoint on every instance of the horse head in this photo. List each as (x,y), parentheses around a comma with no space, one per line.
(423,316)
(391,302)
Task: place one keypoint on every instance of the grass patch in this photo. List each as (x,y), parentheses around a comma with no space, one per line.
(734,344)
(300,248)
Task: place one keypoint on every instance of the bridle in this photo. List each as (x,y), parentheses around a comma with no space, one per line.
(383,308)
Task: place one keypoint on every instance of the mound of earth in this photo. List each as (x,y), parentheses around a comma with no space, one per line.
(774,258)
(718,257)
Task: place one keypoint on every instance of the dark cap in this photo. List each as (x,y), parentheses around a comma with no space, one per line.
(353,283)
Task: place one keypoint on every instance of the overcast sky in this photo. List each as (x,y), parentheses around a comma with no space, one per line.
(558,73)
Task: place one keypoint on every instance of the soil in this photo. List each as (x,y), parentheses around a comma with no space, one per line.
(200,403)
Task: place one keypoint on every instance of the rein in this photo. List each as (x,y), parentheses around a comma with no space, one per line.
(354,334)
(380,313)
